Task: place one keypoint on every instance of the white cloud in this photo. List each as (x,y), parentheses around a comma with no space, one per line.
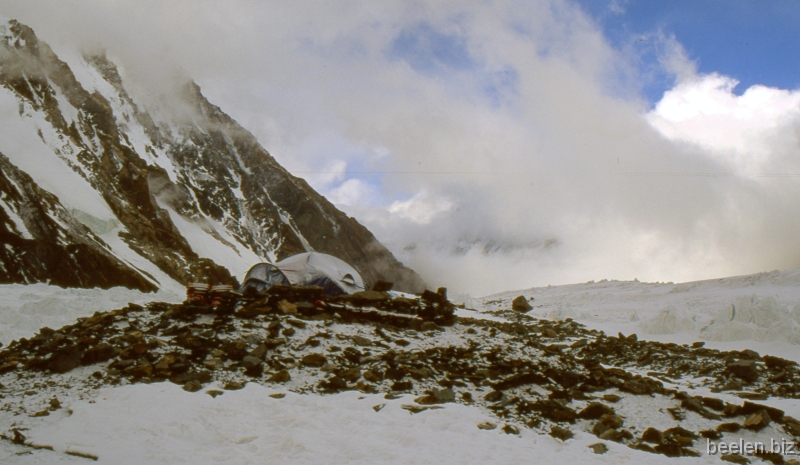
(744,131)
(420,209)
(534,171)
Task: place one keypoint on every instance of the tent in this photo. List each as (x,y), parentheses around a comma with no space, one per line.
(306,269)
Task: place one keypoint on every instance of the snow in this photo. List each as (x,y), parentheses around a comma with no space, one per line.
(20,142)
(160,423)
(235,258)
(758,311)
(122,251)
(19,225)
(26,308)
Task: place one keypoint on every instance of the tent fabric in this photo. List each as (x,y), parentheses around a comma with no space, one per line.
(263,276)
(306,269)
(318,269)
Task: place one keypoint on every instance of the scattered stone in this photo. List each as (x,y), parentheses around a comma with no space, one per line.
(757,421)
(735,458)
(233,386)
(613,398)
(278,395)
(486,425)
(378,407)
(192,386)
(280,377)
(214,393)
(520,304)
(510,429)
(362,341)
(594,411)
(561,433)
(287,308)
(598,448)
(314,360)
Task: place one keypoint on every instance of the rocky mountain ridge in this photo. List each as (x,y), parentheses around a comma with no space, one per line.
(182,195)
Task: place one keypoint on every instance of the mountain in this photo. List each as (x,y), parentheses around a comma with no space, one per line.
(99,190)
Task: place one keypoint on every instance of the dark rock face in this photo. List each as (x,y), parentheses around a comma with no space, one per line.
(216,173)
(53,246)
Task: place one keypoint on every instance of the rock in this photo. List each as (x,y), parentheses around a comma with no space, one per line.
(368,298)
(747,408)
(192,386)
(280,377)
(696,405)
(382,286)
(493,396)
(510,429)
(374,376)
(362,341)
(334,383)
(698,344)
(99,353)
(437,396)
(430,326)
(612,421)
(520,304)
(259,352)
(561,433)
(711,434)
(598,448)
(350,375)
(65,359)
(729,427)
(594,411)
(142,369)
(252,365)
(613,398)
(287,308)
(757,421)
(314,360)
(743,369)
(233,386)
(487,425)
(732,385)
(214,393)
(735,458)
(550,332)
(653,436)
(402,386)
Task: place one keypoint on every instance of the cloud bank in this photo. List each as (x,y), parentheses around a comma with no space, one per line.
(491,146)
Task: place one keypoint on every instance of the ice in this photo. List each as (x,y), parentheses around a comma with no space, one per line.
(753,318)
(768,320)
(670,320)
(24,309)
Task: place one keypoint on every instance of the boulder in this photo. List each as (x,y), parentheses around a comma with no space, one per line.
(520,304)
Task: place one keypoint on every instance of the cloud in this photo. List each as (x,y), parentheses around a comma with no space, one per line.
(744,131)
(491,145)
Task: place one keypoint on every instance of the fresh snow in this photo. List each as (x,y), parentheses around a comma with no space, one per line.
(161,423)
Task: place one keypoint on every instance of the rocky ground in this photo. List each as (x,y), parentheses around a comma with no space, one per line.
(553,377)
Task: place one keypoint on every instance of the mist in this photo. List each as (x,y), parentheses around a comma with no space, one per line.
(495,146)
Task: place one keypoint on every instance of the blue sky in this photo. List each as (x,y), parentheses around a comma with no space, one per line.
(755,42)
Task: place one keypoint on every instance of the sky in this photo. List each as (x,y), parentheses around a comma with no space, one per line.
(500,144)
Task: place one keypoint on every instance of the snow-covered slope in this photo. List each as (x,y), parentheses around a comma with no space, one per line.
(178,183)
(759,311)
